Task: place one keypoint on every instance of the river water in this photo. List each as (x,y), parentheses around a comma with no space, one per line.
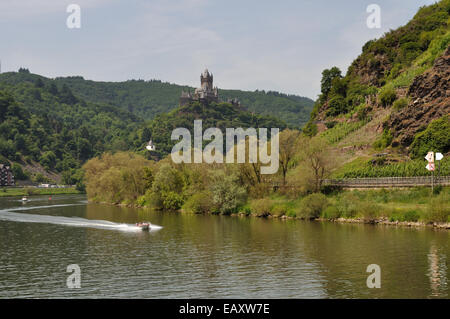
(196,256)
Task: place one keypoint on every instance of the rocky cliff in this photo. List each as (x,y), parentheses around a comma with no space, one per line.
(429,99)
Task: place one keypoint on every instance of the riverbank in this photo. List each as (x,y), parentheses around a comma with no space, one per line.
(415,207)
(30,191)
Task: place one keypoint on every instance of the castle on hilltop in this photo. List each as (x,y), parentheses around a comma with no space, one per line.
(205,94)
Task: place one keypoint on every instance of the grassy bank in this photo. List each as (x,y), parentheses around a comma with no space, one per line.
(415,205)
(29,191)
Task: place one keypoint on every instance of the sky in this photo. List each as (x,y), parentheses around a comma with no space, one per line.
(279,45)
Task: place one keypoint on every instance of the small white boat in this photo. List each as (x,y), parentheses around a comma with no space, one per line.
(24,199)
(144,226)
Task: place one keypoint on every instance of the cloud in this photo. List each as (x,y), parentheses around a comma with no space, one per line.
(247,45)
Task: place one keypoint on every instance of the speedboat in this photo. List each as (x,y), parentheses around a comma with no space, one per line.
(24,199)
(144,226)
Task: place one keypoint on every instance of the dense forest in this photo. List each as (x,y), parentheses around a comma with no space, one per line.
(43,123)
(150,98)
(48,131)
(220,115)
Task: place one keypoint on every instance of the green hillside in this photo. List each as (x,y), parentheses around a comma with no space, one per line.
(220,115)
(46,128)
(149,98)
(392,104)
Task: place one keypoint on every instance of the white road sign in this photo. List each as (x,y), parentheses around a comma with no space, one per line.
(430,166)
(430,157)
(439,156)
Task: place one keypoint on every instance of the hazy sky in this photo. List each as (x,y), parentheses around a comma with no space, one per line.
(256,44)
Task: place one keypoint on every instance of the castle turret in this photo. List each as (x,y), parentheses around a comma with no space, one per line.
(206,80)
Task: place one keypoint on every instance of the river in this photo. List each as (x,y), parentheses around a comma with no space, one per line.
(196,256)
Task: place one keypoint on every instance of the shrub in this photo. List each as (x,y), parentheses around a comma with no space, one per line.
(227,193)
(434,138)
(331,212)
(199,203)
(336,106)
(411,216)
(246,210)
(384,141)
(261,207)
(172,200)
(18,173)
(387,96)
(312,206)
(368,210)
(279,210)
(347,205)
(400,103)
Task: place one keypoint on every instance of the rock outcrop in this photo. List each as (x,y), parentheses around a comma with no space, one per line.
(430,99)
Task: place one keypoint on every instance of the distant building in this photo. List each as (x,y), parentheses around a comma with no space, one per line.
(6,176)
(150,146)
(207,93)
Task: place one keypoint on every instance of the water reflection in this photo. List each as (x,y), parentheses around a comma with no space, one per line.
(437,272)
(212,256)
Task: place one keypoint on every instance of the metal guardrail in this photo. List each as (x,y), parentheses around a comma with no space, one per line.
(389,181)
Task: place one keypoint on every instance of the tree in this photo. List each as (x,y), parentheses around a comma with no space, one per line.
(288,147)
(146,135)
(328,75)
(227,193)
(316,157)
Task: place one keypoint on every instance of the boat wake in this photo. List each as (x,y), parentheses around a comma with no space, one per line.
(10,215)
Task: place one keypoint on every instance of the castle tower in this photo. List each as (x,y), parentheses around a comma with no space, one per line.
(206,80)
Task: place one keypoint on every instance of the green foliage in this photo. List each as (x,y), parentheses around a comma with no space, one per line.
(147,99)
(387,96)
(392,61)
(328,75)
(261,207)
(336,105)
(331,212)
(438,209)
(347,205)
(310,129)
(384,140)
(341,130)
(220,115)
(227,193)
(117,178)
(167,188)
(409,215)
(435,138)
(312,206)
(199,203)
(400,103)
(39,178)
(58,130)
(18,172)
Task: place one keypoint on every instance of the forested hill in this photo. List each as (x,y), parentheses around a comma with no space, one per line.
(221,115)
(149,98)
(48,132)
